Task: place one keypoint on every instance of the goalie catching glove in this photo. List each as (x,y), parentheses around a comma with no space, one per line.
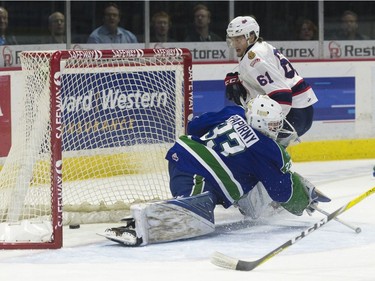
(234,89)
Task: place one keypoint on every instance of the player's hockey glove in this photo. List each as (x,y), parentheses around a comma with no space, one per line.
(234,89)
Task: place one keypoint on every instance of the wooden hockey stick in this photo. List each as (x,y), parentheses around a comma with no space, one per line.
(352,227)
(224,261)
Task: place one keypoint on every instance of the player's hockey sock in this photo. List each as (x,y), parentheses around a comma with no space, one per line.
(304,196)
(299,200)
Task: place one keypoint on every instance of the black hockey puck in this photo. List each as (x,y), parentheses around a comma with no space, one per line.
(74,226)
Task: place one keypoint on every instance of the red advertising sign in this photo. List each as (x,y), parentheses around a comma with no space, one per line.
(5,121)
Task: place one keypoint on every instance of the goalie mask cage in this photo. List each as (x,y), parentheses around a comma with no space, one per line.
(91,140)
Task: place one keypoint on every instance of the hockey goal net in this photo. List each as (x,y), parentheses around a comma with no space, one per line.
(94,131)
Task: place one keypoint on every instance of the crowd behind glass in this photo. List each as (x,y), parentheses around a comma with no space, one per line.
(44,22)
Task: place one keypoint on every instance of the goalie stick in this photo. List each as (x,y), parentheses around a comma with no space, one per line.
(224,261)
(357,229)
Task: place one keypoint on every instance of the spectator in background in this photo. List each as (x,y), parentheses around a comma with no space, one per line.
(110,32)
(307,30)
(5,39)
(56,27)
(201,29)
(161,23)
(349,28)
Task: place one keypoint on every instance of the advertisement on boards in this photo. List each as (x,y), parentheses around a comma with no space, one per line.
(214,51)
(106,114)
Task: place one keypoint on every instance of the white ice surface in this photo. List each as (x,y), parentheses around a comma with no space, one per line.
(333,252)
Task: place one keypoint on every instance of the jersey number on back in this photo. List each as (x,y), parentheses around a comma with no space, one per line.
(285,64)
(225,138)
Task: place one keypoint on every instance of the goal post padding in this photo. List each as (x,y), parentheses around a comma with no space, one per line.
(91,140)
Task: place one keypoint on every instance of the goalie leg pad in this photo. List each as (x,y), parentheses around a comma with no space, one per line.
(255,202)
(174,219)
(31,231)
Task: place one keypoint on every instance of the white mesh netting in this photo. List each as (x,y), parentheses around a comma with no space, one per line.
(119,118)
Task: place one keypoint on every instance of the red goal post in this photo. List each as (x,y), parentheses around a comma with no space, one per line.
(91,139)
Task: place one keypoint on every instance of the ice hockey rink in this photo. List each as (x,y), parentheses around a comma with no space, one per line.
(333,252)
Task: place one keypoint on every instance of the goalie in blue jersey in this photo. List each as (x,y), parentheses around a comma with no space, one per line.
(226,156)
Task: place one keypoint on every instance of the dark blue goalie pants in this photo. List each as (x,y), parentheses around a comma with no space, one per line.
(184,184)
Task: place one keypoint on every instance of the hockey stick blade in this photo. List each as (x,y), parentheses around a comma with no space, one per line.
(224,261)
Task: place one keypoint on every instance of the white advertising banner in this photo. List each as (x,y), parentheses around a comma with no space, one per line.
(215,51)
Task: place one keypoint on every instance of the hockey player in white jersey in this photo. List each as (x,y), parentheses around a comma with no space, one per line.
(223,157)
(263,70)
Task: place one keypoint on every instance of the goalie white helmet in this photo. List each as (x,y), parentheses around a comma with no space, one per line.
(243,26)
(265,115)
